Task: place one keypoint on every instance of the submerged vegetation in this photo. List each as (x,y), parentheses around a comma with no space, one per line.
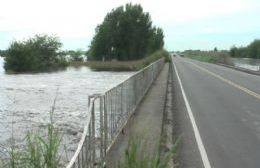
(40,53)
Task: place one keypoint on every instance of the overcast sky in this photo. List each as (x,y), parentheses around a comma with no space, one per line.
(187,24)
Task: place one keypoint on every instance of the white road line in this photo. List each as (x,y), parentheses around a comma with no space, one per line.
(201,147)
(250,92)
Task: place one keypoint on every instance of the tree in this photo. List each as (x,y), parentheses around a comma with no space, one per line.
(251,51)
(254,49)
(35,54)
(125,34)
(156,40)
(76,55)
(2,53)
(233,51)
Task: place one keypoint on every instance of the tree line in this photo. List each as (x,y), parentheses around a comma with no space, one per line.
(250,51)
(126,33)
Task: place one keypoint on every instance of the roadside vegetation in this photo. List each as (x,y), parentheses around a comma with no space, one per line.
(41,149)
(215,56)
(250,51)
(40,53)
(135,157)
(208,56)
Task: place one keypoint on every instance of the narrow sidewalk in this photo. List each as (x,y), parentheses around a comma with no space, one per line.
(145,124)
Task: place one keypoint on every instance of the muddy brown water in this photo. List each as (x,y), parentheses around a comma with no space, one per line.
(26,100)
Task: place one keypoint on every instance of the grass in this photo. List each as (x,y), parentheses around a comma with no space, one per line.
(132,158)
(124,65)
(40,151)
(208,56)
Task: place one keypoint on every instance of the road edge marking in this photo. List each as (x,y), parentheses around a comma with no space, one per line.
(201,147)
(244,89)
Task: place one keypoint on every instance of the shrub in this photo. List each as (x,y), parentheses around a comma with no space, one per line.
(39,53)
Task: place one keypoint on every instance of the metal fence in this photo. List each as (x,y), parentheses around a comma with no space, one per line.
(108,114)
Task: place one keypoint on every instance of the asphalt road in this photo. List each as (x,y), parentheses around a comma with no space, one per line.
(225,104)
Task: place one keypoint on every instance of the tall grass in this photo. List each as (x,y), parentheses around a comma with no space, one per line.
(134,158)
(132,65)
(40,151)
(208,56)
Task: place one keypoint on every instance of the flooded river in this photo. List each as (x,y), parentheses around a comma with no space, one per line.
(26,100)
(247,63)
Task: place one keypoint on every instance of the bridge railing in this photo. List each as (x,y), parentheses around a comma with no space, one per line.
(108,114)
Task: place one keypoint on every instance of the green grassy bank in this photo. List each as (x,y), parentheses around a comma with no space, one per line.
(124,65)
(208,56)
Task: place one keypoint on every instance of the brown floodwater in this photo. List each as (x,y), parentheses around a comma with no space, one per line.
(26,101)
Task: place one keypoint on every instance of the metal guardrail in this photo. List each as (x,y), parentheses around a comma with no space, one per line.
(108,114)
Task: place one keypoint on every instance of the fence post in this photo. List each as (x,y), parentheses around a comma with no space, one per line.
(93,135)
(105,124)
(101,129)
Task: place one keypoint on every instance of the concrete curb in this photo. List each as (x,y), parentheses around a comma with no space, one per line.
(166,142)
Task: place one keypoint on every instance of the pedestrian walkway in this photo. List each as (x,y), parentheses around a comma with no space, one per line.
(146,122)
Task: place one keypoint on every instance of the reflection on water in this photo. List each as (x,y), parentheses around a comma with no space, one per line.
(26,99)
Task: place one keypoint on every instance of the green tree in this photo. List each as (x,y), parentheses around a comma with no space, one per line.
(39,53)
(76,55)
(254,49)
(233,51)
(156,40)
(125,34)
(251,51)
(2,53)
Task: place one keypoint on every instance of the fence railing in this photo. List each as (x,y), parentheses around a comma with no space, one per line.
(108,114)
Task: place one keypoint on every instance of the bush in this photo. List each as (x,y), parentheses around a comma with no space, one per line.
(39,53)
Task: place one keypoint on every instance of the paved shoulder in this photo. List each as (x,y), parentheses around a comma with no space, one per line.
(188,152)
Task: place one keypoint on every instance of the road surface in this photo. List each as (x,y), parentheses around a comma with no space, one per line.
(225,104)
